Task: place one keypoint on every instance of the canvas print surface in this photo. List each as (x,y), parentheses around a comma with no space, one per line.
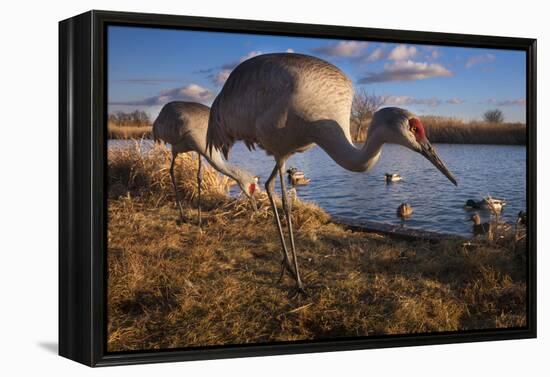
(277,189)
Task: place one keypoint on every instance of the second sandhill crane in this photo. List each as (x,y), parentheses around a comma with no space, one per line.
(184,125)
(286,103)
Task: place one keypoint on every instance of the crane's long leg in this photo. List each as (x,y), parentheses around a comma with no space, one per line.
(299,285)
(199,184)
(269,186)
(174,155)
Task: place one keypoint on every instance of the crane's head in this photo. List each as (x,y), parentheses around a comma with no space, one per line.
(249,186)
(402,127)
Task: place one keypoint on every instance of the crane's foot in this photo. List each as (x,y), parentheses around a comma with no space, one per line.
(298,291)
(182,218)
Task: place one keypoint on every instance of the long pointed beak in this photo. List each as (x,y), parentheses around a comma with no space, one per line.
(429,152)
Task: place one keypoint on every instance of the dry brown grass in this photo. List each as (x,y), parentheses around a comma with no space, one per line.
(449,130)
(171,285)
(134,131)
(134,172)
(456,131)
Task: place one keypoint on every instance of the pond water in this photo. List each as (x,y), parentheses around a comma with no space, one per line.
(496,170)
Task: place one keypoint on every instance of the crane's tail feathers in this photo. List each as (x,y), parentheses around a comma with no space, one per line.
(156,137)
(216,135)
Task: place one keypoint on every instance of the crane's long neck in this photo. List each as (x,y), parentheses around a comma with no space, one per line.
(331,137)
(230,170)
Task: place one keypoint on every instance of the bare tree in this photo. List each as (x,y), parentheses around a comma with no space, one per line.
(135,118)
(493,116)
(363,107)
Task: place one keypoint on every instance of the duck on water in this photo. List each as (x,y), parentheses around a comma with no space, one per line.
(491,204)
(297,177)
(392,177)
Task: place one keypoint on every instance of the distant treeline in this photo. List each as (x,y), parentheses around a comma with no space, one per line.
(137,125)
(455,131)
(134,125)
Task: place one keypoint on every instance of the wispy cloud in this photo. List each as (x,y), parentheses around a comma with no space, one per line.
(402,52)
(479,59)
(375,55)
(434,55)
(191,92)
(406,70)
(505,102)
(342,49)
(220,77)
(455,101)
(408,100)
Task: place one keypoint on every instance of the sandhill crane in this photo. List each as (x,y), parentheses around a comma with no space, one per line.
(286,103)
(184,125)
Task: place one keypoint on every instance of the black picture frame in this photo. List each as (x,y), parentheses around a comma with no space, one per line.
(82,186)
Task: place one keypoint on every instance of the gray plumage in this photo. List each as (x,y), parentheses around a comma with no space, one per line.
(184,126)
(275,100)
(285,103)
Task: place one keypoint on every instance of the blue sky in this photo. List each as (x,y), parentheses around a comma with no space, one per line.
(150,67)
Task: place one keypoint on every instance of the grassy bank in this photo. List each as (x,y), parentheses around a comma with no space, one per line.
(449,130)
(456,131)
(133,131)
(171,285)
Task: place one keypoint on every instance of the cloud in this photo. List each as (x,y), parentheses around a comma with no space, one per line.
(342,49)
(455,101)
(375,55)
(479,59)
(434,55)
(290,50)
(406,70)
(505,102)
(191,92)
(220,77)
(402,52)
(431,53)
(408,100)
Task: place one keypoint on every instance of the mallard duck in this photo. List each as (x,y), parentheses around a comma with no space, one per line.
(392,177)
(491,204)
(300,181)
(297,178)
(404,211)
